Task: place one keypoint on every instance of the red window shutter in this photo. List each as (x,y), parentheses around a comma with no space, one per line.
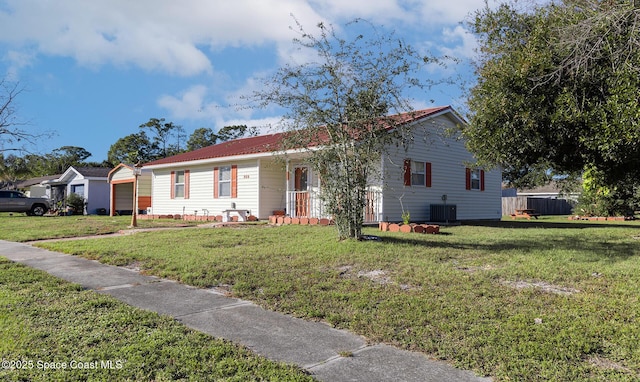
(215,182)
(173,184)
(186,183)
(468,178)
(481,180)
(427,175)
(234,181)
(407,172)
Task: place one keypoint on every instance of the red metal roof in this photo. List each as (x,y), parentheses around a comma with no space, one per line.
(267,143)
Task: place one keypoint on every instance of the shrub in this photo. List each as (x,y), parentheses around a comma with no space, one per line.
(600,200)
(76,203)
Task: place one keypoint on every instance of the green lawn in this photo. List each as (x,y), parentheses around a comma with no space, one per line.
(19,227)
(539,300)
(51,330)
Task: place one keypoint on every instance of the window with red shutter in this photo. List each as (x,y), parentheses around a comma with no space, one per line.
(187,177)
(475,179)
(468,178)
(173,185)
(234,181)
(215,182)
(407,172)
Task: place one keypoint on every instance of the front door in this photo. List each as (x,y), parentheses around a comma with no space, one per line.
(301,188)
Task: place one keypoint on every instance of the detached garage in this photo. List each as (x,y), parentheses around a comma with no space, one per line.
(122,180)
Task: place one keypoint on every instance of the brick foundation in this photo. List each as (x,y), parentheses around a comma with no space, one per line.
(286,220)
(210,218)
(417,228)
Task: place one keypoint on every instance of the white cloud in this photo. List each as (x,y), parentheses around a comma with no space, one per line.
(190,104)
(449,12)
(267,125)
(378,11)
(160,35)
(424,13)
(464,43)
(176,36)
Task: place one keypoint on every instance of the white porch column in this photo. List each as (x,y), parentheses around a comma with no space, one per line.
(258,191)
(286,188)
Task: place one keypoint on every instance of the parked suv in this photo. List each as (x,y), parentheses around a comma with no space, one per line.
(16,201)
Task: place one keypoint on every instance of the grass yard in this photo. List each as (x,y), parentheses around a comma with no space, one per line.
(516,300)
(19,227)
(52,330)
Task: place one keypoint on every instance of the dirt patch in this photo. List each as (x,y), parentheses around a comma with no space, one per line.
(604,363)
(543,286)
(136,266)
(224,289)
(378,276)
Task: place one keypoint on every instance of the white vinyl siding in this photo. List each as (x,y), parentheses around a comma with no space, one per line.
(449,160)
(272,187)
(123,173)
(201,190)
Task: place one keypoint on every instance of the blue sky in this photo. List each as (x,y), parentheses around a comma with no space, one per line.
(93,71)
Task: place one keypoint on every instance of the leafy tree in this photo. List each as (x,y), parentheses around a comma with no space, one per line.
(204,136)
(55,162)
(228,133)
(12,169)
(60,159)
(342,100)
(163,136)
(201,137)
(131,149)
(557,92)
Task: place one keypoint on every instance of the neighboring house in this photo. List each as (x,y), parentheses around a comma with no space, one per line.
(552,191)
(36,187)
(122,180)
(430,179)
(88,182)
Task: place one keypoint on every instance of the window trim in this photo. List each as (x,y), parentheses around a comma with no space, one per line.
(422,174)
(221,170)
(474,179)
(177,184)
(409,172)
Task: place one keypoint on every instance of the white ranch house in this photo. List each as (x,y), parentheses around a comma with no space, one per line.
(430,179)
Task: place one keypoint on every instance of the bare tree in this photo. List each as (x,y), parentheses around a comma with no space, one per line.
(342,101)
(13,135)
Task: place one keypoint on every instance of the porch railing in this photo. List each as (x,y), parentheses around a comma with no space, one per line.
(308,204)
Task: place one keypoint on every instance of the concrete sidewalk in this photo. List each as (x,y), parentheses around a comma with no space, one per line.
(311,345)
